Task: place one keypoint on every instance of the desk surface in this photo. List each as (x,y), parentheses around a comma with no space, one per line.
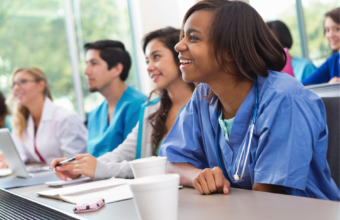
(239,204)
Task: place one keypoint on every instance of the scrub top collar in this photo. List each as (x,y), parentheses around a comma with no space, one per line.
(120,102)
(242,120)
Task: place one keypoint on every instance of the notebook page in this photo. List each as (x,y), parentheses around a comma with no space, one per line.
(57,193)
(110,194)
(61,183)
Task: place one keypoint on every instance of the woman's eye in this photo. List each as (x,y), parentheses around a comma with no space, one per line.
(193,38)
(23,81)
(326,29)
(156,57)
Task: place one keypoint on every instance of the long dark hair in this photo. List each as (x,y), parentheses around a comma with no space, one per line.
(238,31)
(334,14)
(169,37)
(281,32)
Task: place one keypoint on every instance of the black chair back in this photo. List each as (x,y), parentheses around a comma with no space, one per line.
(332,105)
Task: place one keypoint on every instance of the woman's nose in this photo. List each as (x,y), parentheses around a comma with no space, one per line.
(150,67)
(15,88)
(180,46)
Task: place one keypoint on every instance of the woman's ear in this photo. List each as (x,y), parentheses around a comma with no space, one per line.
(41,85)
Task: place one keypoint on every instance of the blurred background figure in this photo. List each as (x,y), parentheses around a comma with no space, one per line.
(302,67)
(42,130)
(330,70)
(4,113)
(4,123)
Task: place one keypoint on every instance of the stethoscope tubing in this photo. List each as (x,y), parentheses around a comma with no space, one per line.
(236,177)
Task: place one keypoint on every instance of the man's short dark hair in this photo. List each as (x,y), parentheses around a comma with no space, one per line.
(281,32)
(112,52)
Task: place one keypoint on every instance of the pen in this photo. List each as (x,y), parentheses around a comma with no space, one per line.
(65,161)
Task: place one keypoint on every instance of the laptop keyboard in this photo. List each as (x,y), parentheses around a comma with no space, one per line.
(38,169)
(16,207)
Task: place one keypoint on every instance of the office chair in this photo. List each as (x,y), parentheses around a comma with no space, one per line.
(332,105)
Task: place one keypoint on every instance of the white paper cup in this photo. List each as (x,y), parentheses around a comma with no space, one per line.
(156,197)
(148,166)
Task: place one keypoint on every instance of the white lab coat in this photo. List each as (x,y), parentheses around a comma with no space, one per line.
(60,133)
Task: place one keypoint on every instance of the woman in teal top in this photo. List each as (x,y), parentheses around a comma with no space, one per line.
(155,118)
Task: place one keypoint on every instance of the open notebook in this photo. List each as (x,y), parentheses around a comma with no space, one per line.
(112,190)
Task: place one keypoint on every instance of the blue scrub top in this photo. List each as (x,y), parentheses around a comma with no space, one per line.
(104,137)
(288,147)
(325,72)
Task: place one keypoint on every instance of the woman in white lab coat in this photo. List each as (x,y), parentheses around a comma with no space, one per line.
(42,130)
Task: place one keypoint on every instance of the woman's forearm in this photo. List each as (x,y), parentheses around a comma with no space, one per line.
(186,171)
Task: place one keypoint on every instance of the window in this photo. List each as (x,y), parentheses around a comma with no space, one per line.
(314,15)
(106,19)
(33,34)
(284,11)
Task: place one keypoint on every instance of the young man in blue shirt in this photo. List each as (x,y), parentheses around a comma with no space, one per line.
(107,67)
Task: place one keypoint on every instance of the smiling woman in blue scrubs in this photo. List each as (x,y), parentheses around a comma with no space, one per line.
(247,125)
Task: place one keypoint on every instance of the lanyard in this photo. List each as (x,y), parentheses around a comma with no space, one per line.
(218,129)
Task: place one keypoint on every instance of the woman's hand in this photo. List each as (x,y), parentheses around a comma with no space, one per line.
(65,171)
(335,79)
(85,164)
(210,181)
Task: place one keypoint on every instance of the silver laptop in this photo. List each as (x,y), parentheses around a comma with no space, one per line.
(14,160)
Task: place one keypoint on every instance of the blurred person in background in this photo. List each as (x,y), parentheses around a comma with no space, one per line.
(302,67)
(42,130)
(330,70)
(4,121)
(4,114)
(156,118)
(107,67)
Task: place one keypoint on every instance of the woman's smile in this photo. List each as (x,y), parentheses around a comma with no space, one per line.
(185,62)
(155,77)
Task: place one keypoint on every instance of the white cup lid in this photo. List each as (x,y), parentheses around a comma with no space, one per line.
(148,162)
(155,182)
